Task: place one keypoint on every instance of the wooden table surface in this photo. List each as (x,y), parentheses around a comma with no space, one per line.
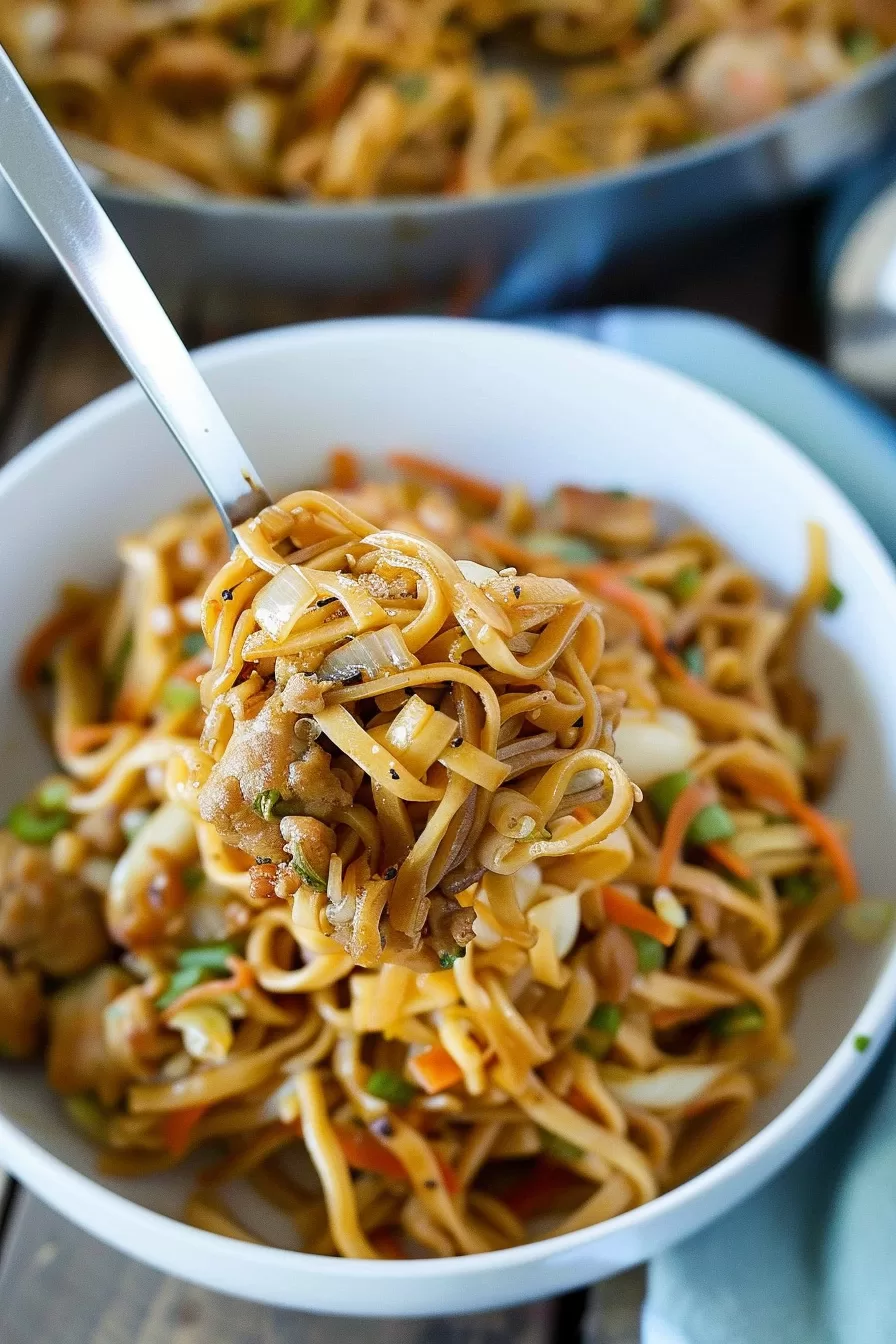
(57,1284)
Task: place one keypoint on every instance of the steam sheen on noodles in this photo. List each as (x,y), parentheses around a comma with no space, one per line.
(445,903)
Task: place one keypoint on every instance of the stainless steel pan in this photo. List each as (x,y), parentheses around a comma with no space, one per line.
(518,249)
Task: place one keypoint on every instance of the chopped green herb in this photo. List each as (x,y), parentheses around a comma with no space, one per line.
(307,873)
(798,888)
(34,827)
(606,1017)
(54,794)
(391,1087)
(182,980)
(447,959)
(741,1020)
(571,550)
(179,695)
(693,659)
(651,953)
(193,643)
(208,956)
(663,793)
(744,884)
(711,824)
(686,583)
(117,668)
(598,1037)
(305,13)
(833,598)
(560,1149)
(620,494)
(192,878)
(412,87)
(861,1043)
(264,803)
(651,15)
(862,45)
(86,1114)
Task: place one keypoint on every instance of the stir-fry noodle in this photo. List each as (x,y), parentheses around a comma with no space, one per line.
(345,99)
(445,904)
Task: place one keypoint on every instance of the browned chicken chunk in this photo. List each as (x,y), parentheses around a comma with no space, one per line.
(78,1058)
(47,919)
(22,1013)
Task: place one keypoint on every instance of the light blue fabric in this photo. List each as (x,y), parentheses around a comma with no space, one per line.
(811,1258)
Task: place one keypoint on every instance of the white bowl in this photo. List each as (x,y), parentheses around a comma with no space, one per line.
(514,405)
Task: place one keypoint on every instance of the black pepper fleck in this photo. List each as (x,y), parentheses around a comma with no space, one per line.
(394,773)
(457,741)
(227,594)
(259,858)
(382,1128)
(517,590)
(390,873)
(325,601)
(579,722)
(430,1184)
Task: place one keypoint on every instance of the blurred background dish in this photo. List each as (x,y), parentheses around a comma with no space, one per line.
(534,181)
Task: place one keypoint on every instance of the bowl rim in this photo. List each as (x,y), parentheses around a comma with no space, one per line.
(428,208)
(809,1110)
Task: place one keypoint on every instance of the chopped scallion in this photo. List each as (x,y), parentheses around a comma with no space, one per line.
(862,45)
(192,878)
(651,953)
(209,956)
(182,980)
(571,550)
(34,827)
(265,802)
(179,695)
(53,795)
(447,959)
(861,1043)
(693,659)
(391,1087)
(650,15)
(798,888)
(606,1017)
(833,598)
(193,643)
(307,873)
(741,1020)
(685,583)
(711,824)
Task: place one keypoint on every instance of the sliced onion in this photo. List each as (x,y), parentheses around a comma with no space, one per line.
(376,653)
(526,886)
(281,602)
(476,573)
(651,744)
(665,1089)
(558,917)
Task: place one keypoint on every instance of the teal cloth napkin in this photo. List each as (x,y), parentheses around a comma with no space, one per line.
(810,1258)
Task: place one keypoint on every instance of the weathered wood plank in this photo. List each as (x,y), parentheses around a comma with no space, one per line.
(613,1313)
(59,1286)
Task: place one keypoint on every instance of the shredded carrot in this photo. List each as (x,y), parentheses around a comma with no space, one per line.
(434,1070)
(729,859)
(386,1244)
(331,100)
(506,549)
(178,1126)
(578,1101)
(89,736)
(449,1176)
(345,471)
(583,815)
(664,1018)
(365,1153)
(483,492)
(822,829)
(41,644)
(609,585)
(689,802)
(631,914)
(241,978)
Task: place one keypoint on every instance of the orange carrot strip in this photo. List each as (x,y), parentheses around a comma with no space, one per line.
(483,492)
(191,669)
(89,736)
(241,978)
(41,644)
(631,914)
(449,1176)
(510,551)
(329,103)
(664,1018)
(365,1153)
(583,815)
(178,1126)
(345,471)
(434,1070)
(822,829)
(621,594)
(730,859)
(689,802)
